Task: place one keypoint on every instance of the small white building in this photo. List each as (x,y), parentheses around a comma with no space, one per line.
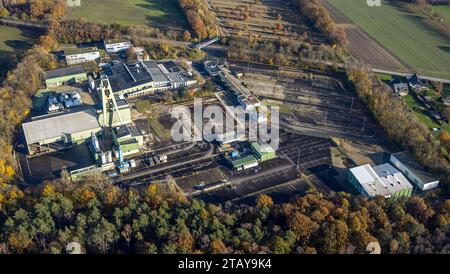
(414,171)
(248,102)
(114,46)
(81,55)
(73,3)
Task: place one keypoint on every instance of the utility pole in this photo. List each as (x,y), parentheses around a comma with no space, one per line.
(351,107)
(325,120)
(298,159)
(364,123)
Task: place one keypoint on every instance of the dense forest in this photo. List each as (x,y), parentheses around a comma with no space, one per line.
(157,219)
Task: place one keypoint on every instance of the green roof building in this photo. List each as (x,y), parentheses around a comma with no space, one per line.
(244,162)
(129,138)
(58,77)
(263,152)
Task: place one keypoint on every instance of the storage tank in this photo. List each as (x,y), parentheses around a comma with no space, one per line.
(95,142)
(132,163)
(91,82)
(110,158)
(103,158)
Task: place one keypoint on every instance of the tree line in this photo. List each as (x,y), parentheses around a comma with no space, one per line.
(284,52)
(33,10)
(157,219)
(317,14)
(201,20)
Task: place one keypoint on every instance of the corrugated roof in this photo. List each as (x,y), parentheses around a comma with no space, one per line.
(59,125)
(262,147)
(244,160)
(56,73)
(383,180)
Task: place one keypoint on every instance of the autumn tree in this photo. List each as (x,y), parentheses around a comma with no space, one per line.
(186,36)
(264,200)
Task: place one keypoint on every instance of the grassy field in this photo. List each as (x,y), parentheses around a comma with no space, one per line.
(421,48)
(163,133)
(13,42)
(158,13)
(420,113)
(445,10)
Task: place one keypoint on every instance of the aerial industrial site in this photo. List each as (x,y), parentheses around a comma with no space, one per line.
(224,127)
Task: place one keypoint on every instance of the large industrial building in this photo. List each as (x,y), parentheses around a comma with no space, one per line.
(143,77)
(72,126)
(62,76)
(383,180)
(413,171)
(59,130)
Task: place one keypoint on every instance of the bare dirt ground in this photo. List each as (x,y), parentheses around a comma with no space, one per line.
(363,153)
(366,49)
(362,46)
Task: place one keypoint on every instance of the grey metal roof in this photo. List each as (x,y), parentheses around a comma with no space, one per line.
(55,126)
(56,73)
(383,180)
(156,72)
(125,76)
(407,160)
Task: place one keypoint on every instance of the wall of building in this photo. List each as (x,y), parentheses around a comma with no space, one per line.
(408,174)
(82,136)
(61,80)
(116,47)
(82,58)
(355,184)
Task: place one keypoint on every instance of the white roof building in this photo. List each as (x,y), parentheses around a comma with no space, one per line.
(383,180)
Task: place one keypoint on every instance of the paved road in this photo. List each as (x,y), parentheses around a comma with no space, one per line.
(434,79)
(22,24)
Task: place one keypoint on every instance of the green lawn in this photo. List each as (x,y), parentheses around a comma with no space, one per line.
(444,10)
(412,41)
(131,12)
(420,113)
(13,42)
(163,133)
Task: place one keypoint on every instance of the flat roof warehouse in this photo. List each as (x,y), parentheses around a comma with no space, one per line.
(381,180)
(127,76)
(59,125)
(56,73)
